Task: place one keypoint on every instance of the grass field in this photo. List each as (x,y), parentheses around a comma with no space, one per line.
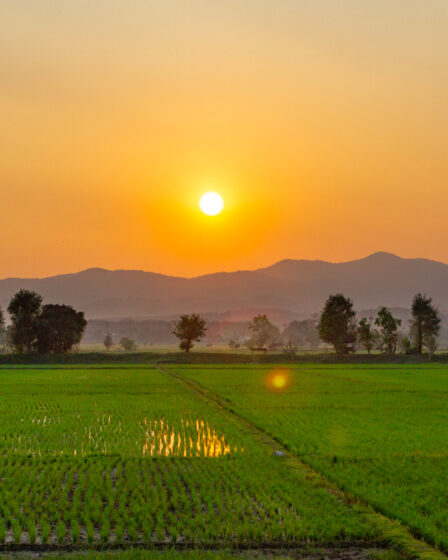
(379,432)
(183,455)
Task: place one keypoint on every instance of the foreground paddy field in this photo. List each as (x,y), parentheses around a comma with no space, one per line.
(129,456)
(224,457)
(378,432)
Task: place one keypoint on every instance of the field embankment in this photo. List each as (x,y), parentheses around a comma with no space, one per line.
(197,357)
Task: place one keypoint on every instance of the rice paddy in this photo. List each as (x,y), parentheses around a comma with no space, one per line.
(378,432)
(110,456)
(187,456)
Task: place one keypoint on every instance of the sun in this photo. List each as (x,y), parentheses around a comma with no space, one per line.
(211,203)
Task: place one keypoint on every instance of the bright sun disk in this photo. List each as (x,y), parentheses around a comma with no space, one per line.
(211,203)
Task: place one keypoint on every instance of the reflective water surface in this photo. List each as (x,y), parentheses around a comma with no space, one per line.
(195,438)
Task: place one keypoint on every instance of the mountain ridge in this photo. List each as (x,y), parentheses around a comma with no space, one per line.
(297,285)
(287,260)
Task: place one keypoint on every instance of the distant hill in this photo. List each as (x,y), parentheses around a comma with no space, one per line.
(290,288)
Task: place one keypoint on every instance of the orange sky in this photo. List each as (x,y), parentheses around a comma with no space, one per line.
(323,124)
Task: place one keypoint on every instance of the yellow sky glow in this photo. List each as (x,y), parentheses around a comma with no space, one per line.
(322,125)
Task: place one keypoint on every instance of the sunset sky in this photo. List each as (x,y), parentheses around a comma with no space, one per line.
(323,124)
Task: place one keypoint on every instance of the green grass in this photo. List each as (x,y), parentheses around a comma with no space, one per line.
(111,455)
(379,432)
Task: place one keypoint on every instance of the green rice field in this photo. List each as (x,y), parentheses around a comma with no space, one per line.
(224,457)
(379,432)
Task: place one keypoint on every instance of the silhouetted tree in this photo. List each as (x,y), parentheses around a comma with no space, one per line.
(388,330)
(337,324)
(128,344)
(51,328)
(108,342)
(24,309)
(366,334)
(2,330)
(425,323)
(59,328)
(263,332)
(189,329)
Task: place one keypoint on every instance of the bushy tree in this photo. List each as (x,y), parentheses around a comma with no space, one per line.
(108,342)
(24,309)
(59,328)
(128,344)
(189,329)
(263,332)
(51,328)
(366,334)
(337,324)
(425,323)
(388,327)
(301,333)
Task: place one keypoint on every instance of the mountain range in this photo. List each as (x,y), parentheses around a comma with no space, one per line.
(290,287)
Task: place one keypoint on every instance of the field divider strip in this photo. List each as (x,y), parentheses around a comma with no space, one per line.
(266,547)
(391,532)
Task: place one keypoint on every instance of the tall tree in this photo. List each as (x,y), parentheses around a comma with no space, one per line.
(337,324)
(388,330)
(2,330)
(263,331)
(59,328)
(425,323)
(24,309)
(189,329)
(366,334)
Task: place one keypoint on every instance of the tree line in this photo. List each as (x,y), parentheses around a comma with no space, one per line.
(338,327)
(54,328)
(38,328)
(264,335)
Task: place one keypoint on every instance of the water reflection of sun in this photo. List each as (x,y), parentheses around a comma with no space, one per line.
(192,438)
(278,380)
